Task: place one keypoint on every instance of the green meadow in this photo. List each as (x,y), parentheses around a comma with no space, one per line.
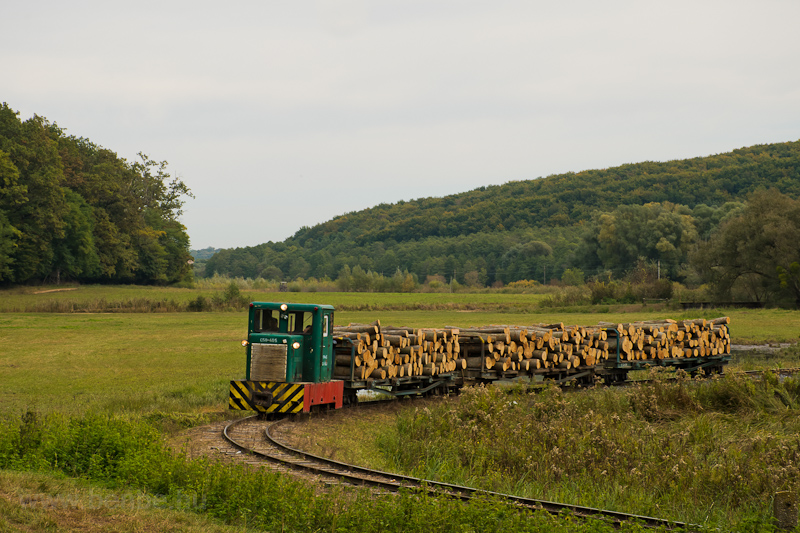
(119,362)
(136,361)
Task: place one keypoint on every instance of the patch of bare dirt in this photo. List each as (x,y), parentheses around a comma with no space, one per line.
(200,441)
(759,348)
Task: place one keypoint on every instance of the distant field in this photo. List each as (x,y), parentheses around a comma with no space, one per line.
(182,361)
(353,301)
(411,309)
(94,297)
(160,299)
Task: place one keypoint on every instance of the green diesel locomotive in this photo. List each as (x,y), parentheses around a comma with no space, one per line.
(291,355)
(289,360)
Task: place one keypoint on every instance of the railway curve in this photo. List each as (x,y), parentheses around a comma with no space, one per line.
(240,434)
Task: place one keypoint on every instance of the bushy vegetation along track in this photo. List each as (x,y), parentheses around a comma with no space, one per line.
(255,437)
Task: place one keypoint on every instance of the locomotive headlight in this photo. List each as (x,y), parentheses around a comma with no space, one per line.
(295,345)
(244,344)
(284,307)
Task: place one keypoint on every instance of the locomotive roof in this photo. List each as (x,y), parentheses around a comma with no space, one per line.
(292,306)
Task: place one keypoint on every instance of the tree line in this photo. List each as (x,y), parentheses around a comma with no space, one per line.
(72,210)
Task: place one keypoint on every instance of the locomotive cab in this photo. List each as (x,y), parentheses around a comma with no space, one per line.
(289,359)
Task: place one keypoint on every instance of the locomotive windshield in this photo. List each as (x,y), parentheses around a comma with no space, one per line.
(267,320)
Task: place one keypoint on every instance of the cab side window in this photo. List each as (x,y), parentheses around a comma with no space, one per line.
(300,322)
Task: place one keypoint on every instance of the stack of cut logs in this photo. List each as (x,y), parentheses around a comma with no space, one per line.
(667,339)
(396,352)
(392,352)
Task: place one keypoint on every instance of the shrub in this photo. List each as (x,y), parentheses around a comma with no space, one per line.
(661,400)
(573,277)
(523,285)
(200,303)
(603,292)
(608,292)
(570,296)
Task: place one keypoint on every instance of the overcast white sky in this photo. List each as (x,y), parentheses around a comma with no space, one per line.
(280,114)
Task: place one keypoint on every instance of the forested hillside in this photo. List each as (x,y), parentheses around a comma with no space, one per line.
(598,221)
(72,210)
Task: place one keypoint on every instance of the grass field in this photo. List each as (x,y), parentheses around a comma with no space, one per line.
(413,309)
(171,369)
(119,362)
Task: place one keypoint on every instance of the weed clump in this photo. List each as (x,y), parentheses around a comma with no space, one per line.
(664,400)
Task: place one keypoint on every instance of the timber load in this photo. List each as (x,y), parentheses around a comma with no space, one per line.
(375,352)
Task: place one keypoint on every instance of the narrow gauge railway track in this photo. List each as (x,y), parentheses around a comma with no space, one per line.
(255,437)
(782,373)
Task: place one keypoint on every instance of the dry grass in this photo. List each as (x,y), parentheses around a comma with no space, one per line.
(34,502)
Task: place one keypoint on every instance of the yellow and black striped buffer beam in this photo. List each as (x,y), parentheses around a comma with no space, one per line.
(266,396)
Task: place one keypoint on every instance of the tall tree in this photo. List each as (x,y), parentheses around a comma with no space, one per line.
(69,208)
(11,195)
(656,232)
(39,218)
(756,253)
(74,253)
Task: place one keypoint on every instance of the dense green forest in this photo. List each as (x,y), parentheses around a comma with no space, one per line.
(72,210)
(604,223)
